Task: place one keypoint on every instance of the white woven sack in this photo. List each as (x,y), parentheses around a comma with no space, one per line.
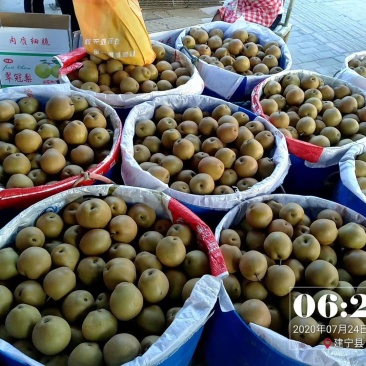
(329,155)
(347,170)
(167,37)
(224,82)
(347,74)
(43,93)
(314,356)
(196,310)
(194,86)
(133,175)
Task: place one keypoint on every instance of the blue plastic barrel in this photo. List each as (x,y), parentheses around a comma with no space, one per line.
(228,341)
(307,181)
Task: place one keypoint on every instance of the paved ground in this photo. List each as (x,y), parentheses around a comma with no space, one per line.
(324,31)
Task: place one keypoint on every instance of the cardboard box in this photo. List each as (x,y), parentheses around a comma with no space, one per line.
(28,43)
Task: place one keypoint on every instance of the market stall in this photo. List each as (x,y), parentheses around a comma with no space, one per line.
(143,223)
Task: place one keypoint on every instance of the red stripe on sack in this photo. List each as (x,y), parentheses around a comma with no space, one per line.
(67,69)
(69,58)
(205,238)
(255,102)
(301,149)
(304,150)
(24,197)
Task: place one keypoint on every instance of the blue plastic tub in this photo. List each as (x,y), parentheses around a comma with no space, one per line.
(347,198)
(236,85)
(314,168)
(8,360)
(226,332)
(228,340)
(307,181)
(347,191)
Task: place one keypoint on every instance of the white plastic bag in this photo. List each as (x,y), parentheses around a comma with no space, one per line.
(351,76)
(226,83)
(196,310)
(187,323)
(347,170)
(314,156)
(167,37)
(315,356)
(24,197)
(133,175)
(194,85)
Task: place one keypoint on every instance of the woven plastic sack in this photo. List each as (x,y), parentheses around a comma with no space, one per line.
(235,87)
(302,178)
(352,77)
(23,197)
(178,343)
(114,29)
(226,330)
(195,85)
(167,37)
(132,173)
(348,192)
(314,156)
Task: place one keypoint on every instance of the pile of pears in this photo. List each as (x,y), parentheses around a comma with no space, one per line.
(358,64)
(204,152)
(96,283)
(242,53)
(306,108)
(113,77)
(277,247)
(42,145)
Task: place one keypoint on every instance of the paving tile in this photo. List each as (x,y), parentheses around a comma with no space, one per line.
(341,58)
(307,44)
(329,62)
(295,62)
(295,49)
(320,37)
(309,57)
(310,65)
(327,70)
(308,51)
(324,53)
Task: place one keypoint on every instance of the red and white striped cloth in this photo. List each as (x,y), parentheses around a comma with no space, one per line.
(262,12)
